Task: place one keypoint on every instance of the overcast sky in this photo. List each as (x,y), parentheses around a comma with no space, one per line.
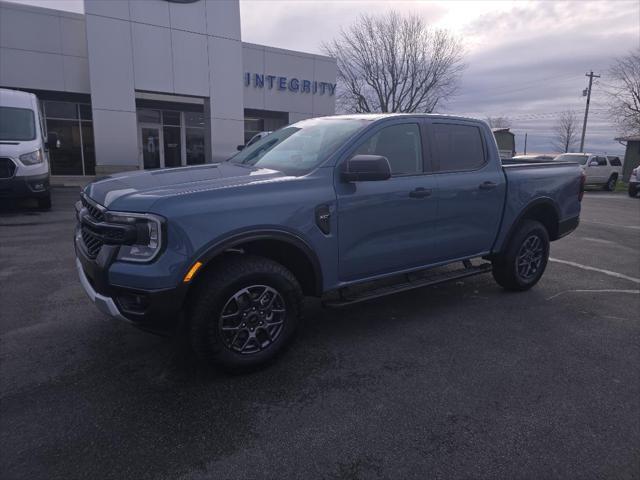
(525,60)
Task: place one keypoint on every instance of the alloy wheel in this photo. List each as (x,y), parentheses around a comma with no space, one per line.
(529,258)
(252,319)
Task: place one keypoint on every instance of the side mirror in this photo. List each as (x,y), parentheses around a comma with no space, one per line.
(53,141)
(240,147)
(593,163)
(366,168)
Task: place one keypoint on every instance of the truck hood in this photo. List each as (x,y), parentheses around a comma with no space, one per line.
(140,190)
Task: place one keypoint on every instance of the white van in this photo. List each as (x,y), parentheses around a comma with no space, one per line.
(24,163)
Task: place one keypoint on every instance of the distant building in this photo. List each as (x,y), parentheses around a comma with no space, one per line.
(150,84)
(506,141)
(631,155)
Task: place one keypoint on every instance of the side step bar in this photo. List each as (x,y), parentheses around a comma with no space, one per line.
(409,283)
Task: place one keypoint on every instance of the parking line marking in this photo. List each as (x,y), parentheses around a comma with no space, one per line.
(633,227)
(598,240)
(593,291)
(594,269)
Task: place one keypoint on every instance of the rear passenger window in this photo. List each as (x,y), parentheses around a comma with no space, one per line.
(400,144)
(602,162)
(615,161)
(458,147)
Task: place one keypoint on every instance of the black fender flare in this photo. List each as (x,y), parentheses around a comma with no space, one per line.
(235,239)
(543,201)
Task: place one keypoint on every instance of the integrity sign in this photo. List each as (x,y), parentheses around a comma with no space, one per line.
(292,84)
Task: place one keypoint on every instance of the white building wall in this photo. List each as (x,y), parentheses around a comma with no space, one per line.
(156,46)
(120,46)
(42,49)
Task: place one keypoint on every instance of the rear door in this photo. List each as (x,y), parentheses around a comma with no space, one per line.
(471,189)
(387,226)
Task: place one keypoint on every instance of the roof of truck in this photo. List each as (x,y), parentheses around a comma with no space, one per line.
(378,116)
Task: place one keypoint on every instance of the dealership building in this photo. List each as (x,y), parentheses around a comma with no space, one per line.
(143,84)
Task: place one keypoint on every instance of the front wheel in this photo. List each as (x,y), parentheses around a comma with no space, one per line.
(524,261)
(633,189)
(245,311)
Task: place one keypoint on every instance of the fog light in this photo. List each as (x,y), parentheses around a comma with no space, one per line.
(135,303)
(38,186)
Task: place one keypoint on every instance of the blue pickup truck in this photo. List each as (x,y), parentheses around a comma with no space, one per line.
(346,208)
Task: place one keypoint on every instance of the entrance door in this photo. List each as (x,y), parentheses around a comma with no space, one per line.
(152,146)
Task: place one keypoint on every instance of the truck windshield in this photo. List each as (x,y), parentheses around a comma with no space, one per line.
(17,124)
(299,148)
(581,159)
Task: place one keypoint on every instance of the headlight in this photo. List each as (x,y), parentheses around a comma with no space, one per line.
(148,239)
(32,158)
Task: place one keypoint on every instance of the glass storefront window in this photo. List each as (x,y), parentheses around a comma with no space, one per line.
(66,110)
(171,118)
(72,123)
(88,148)
(178,137)
(66,160)
(146,115)
(194,119)
(172,146)
(85,112)
(195,146)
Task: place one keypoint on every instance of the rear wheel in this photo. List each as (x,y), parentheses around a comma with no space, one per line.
(633,189)
(245,311)
(610,186)
(524,261)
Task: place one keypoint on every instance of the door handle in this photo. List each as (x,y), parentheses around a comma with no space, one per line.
(487,185)
(420,193)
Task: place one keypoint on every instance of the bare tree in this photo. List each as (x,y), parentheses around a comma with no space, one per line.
(392,63)
(566,131)
(623,90)
(499,122)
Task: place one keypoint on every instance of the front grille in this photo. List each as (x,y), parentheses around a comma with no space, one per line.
(92,242)
(93,210)
(7,168)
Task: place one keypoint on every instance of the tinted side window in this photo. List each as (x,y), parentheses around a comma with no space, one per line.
(400,144)
(615,162)
(458,147)
(602,162)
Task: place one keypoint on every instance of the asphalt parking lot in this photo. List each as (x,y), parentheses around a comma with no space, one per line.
(455,381)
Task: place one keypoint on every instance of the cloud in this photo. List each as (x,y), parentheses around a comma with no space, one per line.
(526,60)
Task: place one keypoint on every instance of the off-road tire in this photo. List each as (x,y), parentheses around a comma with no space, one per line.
(213,291)
(505,266)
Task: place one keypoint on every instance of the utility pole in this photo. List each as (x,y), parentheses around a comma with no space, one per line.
(525,143)
(586,110)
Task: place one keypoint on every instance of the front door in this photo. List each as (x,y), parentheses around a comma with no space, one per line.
(388,226)
(152,146)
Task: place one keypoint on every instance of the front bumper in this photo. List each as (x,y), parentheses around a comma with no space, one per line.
(32,186)
(105,304)
(154,310)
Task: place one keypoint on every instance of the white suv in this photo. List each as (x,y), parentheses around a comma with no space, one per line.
(599,169)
